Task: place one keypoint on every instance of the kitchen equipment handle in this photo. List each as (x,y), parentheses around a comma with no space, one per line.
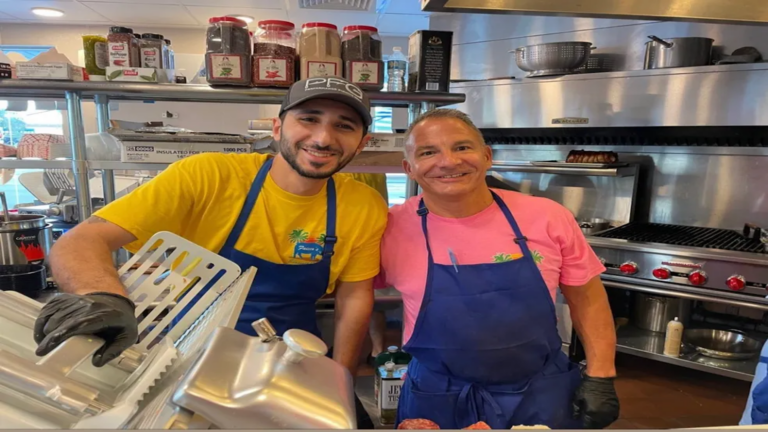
(302,344)
(661,41)
(5,208)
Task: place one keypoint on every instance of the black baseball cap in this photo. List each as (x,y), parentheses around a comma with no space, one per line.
(333,88)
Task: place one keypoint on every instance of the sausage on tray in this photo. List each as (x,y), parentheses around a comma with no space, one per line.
(481,425)
(583,156)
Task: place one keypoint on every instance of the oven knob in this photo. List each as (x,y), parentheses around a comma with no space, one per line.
(628,268)
(697,277)
(736,283)
(662,273)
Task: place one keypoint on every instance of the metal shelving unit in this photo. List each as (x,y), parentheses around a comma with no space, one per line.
(103,92)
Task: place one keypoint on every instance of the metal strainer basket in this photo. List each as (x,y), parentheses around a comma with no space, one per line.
(557,58)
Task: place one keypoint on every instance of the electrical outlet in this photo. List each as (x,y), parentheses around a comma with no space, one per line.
(169,114)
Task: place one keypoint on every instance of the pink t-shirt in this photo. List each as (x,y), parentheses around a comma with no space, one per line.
(554,238)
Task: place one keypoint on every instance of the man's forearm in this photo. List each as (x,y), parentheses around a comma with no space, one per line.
(81,261)
(592,318)
(354,304)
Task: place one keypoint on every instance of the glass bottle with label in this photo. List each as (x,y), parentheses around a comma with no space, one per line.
(320,50)
(387,385)
(228,52)
(96,56)
(274,54)
(362,57)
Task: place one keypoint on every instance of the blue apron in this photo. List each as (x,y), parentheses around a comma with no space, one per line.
(485,346)
(756,411)
(284,293)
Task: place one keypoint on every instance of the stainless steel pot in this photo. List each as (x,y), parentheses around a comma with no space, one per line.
(677,52)
(25,239)
(558,58)
(594,225)
(653,313)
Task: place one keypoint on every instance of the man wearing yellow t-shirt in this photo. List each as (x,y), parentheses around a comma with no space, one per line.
(308,232)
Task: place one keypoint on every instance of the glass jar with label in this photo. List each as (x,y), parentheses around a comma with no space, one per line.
(153,51)
(228,52)
(274,54)
(96,56)
(123,47)
(362,57)
(319,50)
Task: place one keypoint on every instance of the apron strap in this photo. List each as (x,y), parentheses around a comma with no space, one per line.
(520,239)
(423,212)
(253,195)
(467,405)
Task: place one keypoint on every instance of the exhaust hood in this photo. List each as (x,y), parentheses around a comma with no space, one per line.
(725,11)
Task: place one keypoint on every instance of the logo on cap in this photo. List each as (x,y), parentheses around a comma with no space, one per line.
(335,85)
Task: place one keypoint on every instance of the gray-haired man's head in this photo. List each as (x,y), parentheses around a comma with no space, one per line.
(446,154)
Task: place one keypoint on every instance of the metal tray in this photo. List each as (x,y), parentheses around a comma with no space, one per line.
(563,164)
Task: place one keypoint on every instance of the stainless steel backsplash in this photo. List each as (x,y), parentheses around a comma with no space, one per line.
(482,42)
(707,190)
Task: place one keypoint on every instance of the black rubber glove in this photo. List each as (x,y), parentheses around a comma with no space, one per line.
(106,315)
(596,402)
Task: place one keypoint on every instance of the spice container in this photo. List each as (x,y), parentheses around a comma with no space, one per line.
(361,54)
(153,51)
(96,55)
(274,54)
(123,47)
(319,50)
(228,52)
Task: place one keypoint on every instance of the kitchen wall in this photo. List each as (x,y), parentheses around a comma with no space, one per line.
(188,44)
(482,42)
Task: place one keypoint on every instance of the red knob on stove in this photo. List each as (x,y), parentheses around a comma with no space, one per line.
(662,273)
(628,268)
(697,277)
(736,283)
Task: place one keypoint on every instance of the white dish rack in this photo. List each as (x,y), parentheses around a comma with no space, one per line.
(63,390)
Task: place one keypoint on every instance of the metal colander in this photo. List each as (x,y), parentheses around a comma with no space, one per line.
(556,58)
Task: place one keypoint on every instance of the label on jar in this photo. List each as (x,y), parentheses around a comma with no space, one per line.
(390,393)
(29,244)
(272,69)
(364,72)
(101,54)
(224,66)
(150,57)
(119,54)
(321,69)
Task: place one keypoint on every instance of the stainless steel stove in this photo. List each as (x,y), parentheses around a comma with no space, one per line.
(706,261)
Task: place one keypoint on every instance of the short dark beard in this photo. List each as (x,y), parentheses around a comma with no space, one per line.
(291,153)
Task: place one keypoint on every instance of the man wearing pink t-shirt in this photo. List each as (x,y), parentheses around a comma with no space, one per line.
(478,270)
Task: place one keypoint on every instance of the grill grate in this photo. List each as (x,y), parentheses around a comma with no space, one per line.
(711,238)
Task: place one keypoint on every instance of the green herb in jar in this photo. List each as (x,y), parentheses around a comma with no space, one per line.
(96,54)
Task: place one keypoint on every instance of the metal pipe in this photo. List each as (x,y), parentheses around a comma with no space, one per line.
(427,106)
(79,164)
(102,119)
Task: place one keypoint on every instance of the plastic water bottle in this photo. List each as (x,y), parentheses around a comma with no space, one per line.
(396,66)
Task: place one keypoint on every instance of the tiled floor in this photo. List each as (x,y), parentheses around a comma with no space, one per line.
(655,395)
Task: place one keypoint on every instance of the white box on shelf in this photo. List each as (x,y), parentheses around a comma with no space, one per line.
(49,71)
(138,74)
(169,152)
(385,142)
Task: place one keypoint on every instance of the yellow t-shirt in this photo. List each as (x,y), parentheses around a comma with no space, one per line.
(200,197)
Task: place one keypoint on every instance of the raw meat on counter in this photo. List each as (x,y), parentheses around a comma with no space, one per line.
(413,424)
(582,156)
(481,425)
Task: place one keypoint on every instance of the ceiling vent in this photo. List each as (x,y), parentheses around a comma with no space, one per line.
(347,5)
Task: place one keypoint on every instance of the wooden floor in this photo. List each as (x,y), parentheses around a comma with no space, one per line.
(656,395)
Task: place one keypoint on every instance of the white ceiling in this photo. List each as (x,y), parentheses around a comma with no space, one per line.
(397,17)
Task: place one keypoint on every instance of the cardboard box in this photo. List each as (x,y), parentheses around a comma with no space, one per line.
(385,142)
(429,61)
(145,75)
(50,71)
(169,152)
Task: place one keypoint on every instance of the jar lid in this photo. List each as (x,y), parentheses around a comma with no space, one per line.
(232,20)
(285,25)
(319,24)
(168,41)
(120,30)
(360,28)
(151,36)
